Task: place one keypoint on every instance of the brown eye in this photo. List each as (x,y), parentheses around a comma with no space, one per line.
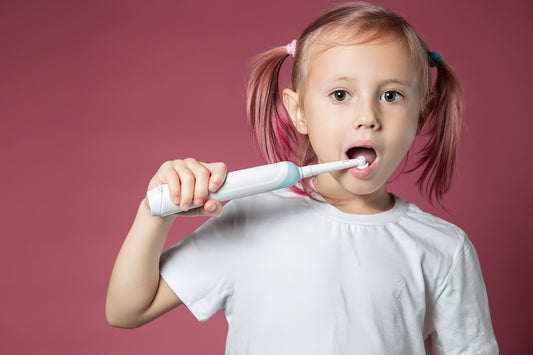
(340,95)
(391,96)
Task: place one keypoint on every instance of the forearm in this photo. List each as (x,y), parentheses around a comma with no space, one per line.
(135,277)
(136,292)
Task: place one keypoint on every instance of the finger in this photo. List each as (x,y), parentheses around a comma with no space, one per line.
(169,176)
(201,176)
(187,182)
(158,178)
(218,175)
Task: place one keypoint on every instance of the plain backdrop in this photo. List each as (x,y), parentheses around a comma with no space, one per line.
(95,95)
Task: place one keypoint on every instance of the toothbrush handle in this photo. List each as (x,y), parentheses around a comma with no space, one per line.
(238,184)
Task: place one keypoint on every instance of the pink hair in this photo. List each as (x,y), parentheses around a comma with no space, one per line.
(440,111)
(443,127)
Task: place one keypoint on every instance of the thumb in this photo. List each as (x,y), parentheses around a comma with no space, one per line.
(212,208)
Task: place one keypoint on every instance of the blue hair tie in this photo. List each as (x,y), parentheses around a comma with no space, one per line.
(434,56)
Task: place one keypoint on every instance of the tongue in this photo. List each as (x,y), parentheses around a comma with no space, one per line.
(368,153)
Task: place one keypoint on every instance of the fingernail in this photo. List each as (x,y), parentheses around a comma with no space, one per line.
(185,207)
(212,186)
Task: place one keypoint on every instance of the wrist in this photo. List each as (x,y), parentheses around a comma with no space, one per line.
(144,210)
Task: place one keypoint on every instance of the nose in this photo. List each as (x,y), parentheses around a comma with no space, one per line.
(366,116)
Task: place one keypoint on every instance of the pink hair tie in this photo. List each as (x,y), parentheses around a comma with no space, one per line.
(291,48)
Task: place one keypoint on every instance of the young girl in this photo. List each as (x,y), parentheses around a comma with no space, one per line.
(336,265)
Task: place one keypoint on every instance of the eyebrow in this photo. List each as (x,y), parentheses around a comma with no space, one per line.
(342,78)
(386,81)
(399,81)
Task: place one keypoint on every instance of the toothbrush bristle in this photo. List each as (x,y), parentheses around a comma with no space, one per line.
(362,163)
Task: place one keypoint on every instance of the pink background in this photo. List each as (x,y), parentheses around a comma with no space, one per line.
(95,95)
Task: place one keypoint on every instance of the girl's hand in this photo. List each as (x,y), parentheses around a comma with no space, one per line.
(190,181)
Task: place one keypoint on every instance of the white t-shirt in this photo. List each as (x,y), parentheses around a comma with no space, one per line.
(296,276)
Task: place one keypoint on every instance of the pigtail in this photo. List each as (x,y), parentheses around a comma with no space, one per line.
(273,131)
(444,123)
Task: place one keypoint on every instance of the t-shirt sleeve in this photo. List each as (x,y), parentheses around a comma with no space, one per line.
(461,318)
(200,269)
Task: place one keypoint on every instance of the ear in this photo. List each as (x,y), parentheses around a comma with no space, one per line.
(292,105)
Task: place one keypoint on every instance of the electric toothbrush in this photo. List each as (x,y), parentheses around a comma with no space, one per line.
(252,181)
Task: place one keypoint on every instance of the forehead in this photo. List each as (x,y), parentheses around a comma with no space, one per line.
(379,59)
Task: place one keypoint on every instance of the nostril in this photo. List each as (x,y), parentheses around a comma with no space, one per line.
(366,122)
(371,126)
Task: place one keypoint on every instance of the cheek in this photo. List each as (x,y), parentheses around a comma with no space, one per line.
(323,138)
(326,139)
(403,138)
(408,141)
(410,131)
(318,123)
(409,126)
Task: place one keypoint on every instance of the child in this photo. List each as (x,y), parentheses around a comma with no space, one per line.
(336,265)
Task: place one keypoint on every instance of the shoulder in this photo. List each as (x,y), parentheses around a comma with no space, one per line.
(438,244)
(432,230)
(427,220)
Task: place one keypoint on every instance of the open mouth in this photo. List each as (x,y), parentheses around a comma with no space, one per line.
(368,153)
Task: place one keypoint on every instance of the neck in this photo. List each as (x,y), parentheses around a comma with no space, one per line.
(348,202)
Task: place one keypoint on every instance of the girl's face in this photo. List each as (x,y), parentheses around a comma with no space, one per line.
(358,100)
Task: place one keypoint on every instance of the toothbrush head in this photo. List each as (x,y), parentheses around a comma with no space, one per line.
(361,162)
(312,170)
